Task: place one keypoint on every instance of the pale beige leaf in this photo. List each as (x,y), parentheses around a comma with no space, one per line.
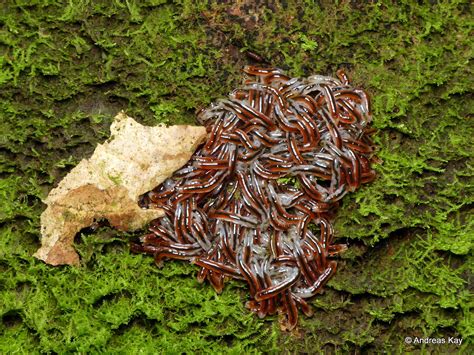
(133,161)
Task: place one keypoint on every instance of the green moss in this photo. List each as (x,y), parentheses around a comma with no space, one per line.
(67,67)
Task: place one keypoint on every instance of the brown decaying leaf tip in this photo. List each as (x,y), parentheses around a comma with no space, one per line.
(231,211)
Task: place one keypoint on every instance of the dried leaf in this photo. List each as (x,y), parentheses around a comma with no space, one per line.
(133,161)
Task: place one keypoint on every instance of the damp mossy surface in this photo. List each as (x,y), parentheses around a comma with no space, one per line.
(66,69)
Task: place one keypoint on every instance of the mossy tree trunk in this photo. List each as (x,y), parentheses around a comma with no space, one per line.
(66,68)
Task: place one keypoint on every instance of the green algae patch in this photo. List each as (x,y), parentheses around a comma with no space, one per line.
(66,69)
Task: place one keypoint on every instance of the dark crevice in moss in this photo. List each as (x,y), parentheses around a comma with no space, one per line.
(12,319)
(111,298)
